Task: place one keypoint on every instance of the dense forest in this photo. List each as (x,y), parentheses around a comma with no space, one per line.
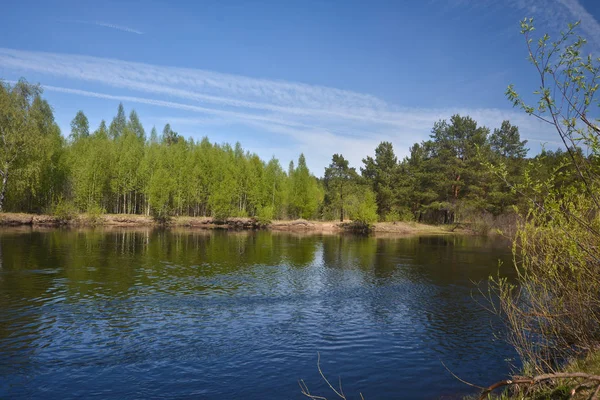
(120,168)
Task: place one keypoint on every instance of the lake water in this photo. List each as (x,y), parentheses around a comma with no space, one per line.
(217,315)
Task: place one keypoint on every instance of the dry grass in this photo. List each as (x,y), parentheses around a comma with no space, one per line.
(412,228)
(299,225)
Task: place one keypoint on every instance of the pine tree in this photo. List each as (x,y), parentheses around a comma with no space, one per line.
(382,174)
(339,180)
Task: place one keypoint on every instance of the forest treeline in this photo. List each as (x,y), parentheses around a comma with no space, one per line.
(119,167)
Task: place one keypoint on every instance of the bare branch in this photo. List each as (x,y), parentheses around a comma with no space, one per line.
(541,378)
(461,380)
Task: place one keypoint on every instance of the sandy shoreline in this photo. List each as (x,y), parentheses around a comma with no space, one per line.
(124,220)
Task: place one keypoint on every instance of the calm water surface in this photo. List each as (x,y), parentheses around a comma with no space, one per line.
(215,315)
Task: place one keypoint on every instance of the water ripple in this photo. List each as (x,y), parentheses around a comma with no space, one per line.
(182,315)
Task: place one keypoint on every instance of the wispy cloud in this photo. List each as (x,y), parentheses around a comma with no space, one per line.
(552,15)
(111,26)
(317,119)
(558,13)
(588,23)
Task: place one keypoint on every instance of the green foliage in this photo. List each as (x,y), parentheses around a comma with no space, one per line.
(399,214)
(392,216)
(160,192)
(94,213)
(118,124)
(363,208)
(91,162)
(273,188)
(80,127)
(340,185)
(506,142)
(383,175)
(119,170)
(169,136)
(443,174)
(135,126)
(553,311)
(304,192)
(64,210)
(265,215)
(32,170)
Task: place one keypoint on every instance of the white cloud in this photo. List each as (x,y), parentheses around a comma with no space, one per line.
(316,120)
(552,16)
(111,26)
(199,85)
(558,13)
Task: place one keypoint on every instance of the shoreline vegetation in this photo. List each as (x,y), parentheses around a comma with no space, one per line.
(121,169)
(209,223)
(551,309)
(549,204)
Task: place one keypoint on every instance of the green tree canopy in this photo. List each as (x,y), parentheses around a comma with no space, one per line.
(383,173)
(340,180)
(23,119)
(118,124)
(80,127)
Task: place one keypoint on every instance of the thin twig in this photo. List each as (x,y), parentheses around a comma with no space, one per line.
(541,378)
(306,392)
(596,392)
(462,380)
(325,379)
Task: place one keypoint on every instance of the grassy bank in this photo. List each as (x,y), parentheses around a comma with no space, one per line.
(125,220)
(578,380)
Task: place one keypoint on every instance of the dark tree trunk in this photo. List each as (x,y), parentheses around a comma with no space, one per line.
(342,205)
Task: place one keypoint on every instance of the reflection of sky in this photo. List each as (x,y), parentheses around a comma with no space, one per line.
(216,315)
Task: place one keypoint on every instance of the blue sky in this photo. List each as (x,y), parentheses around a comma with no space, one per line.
(285,77)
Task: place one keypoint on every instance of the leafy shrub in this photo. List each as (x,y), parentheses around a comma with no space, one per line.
(364,210)
(161,195)
(94,213)
(265,215)
(221,211)
(553,311)
(241,213)
(402,214)
(161,213)
(481,223)
(64,210)
(392,216)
